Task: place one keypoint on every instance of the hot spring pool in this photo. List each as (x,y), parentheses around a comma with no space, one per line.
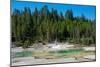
(59,53)
(23,54)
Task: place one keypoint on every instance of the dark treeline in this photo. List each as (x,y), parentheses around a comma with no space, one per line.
(44,25)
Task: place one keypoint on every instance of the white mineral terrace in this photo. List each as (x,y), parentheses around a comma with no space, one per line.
(89,48)
(51,46)
(32,61)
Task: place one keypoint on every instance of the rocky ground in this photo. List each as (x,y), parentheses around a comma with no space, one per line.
(31,60)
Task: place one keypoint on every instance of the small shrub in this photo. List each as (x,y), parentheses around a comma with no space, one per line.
(86,41)
(18,44)
(26,44)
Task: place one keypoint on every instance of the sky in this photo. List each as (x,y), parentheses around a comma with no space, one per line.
(88,11)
